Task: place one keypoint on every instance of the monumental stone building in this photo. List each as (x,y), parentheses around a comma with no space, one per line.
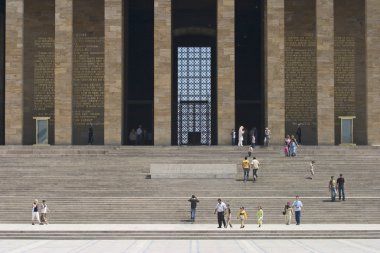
(188,71)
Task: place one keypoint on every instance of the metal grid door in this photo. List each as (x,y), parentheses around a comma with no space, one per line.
(194,95)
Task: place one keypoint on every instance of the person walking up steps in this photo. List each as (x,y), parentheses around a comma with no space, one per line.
(255,164)
(193,206)
(311,170)
(246,168)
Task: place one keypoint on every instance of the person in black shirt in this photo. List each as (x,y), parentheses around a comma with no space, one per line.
(193,204)
(340,185)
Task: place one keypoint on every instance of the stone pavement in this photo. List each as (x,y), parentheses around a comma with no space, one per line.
(166,245)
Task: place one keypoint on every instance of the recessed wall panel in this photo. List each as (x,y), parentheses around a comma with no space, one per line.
(350,67)
(88,70)
(300,69)
(38,67)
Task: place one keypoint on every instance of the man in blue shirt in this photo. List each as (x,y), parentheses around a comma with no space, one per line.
(297,205)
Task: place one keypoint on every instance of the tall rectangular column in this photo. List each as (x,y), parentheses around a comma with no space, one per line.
(162,72)
(14,71)
(275,77)
(63,71)
(226,69)
(113,72)
(325,72)
(373,70)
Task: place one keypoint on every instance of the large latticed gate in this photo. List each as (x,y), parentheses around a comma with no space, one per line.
(194,95)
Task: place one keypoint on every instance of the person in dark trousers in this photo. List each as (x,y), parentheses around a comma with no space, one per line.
(233,137)
(90,135)
(297,205)
(340,185)
(299,133)
(220,208)
(193,205)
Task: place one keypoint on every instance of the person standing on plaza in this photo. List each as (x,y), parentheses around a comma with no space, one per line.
(260,216)
(241,134)
(266,137)
(297,205)
(246,168)
(43,213)
(227,215)
(220,208)
(193,206)
(340,185)
(139,135)
(332,188)
(35,214)
(288,212)
(233,137)
(242,216)
(255,164)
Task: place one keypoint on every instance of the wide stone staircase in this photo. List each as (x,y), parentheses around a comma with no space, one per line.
(112,185)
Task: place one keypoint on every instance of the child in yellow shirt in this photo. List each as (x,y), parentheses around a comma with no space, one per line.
(242,215)
(260,216)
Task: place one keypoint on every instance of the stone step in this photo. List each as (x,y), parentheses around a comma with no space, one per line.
(222,234)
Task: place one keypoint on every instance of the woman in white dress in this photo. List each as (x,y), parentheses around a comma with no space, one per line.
(241,132)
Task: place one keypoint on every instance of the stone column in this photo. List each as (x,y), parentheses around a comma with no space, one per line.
(373,71)
(275,67)
(63,71)
(162,72)
(325,72)
(113,68)
(13,71)
(226,69)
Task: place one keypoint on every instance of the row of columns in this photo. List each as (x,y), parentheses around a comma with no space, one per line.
(113,112)
(275,77)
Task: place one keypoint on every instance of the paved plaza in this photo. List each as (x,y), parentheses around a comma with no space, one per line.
(190,246)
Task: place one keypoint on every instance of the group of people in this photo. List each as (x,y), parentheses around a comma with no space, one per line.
(39,212)
(248,138)
(247,165)
(224,214)
(290,146)
(337,186)
(139,136)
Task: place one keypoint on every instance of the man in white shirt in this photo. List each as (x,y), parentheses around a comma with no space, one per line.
(220,208)
(255,164)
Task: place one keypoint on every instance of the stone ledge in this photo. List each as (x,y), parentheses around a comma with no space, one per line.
(219,171)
